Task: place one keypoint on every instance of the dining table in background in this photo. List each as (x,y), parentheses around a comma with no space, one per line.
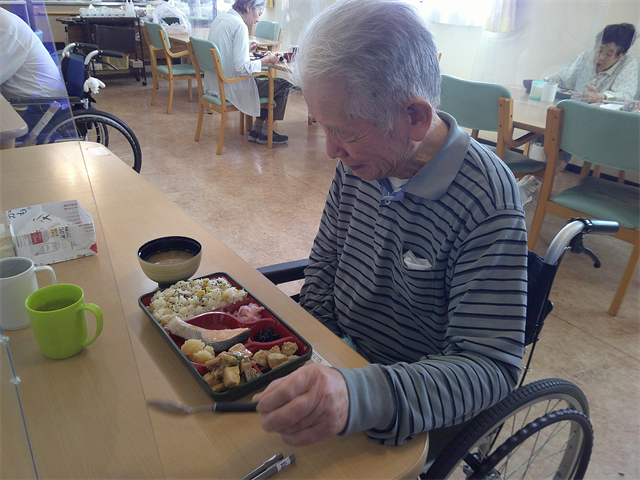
(12,125)
(529,115)
(181,39)
(87,416)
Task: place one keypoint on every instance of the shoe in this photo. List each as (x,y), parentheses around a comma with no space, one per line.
(253,136)
(536,152)
(528,186)
(277,138)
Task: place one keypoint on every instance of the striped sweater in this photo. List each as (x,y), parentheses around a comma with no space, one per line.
(445,341)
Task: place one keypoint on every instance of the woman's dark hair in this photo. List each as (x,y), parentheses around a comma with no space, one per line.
(622,34)
(243,6)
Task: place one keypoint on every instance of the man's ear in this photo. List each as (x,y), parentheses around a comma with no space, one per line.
(421,114)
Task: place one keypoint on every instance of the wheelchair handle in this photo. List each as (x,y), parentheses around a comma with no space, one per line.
(111,53)
(576,227)
(99,53)
(600,227)
(71,46)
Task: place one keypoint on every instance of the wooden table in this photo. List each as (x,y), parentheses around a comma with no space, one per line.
(12,125)
(181,39)
(529,115)
(86,416)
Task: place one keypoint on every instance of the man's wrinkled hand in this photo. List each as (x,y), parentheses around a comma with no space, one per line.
(307,406)
(592,95)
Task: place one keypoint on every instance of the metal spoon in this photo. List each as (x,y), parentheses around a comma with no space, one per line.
(171,406)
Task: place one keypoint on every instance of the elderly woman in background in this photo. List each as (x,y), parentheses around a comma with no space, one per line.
(230,32)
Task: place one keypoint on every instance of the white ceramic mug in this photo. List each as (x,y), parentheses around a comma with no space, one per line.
(18,281)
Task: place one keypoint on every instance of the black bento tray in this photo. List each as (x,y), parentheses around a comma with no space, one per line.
(269,319)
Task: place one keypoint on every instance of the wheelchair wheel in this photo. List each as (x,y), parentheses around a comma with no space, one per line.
(100,127)
(528,453)
(540,430)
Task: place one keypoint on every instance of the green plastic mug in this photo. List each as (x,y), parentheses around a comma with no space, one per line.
(59,322)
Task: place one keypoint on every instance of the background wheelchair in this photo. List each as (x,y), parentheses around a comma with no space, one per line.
(541,429)
(78,119)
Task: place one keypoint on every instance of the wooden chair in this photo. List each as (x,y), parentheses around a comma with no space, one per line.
(158,42)
(205,57)
(488,107)
(601,137)
(270,31)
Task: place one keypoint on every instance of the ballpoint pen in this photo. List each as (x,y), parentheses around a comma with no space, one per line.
(261,468)
(276,467)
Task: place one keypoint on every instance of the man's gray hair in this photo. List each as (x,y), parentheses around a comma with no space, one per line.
(381,52)
(243,6)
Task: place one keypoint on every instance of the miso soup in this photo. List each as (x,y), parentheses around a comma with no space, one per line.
(170,257)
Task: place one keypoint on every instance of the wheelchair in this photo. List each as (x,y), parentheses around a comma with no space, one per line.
(78,119)
(539,430)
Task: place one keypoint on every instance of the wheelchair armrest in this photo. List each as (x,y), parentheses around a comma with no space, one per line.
(285,272)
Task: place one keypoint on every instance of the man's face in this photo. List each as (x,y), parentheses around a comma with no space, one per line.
(362,146)
(607,56)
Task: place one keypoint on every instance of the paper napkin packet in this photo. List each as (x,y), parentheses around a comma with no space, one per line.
(52,232)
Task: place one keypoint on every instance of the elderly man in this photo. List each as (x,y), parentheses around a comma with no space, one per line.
(606,73)
(420,259)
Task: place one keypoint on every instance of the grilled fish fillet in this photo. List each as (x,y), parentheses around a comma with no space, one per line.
(220,340)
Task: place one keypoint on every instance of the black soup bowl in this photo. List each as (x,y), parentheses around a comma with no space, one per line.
(167,260)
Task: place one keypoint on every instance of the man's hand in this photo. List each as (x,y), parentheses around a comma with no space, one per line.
(307,406)
(592,95)
(253,46)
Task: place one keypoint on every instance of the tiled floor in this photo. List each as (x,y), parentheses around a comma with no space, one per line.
(266,205)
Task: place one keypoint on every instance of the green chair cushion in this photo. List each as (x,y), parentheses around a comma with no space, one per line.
(179,69)
(518,162)
(604,199)
(215,99)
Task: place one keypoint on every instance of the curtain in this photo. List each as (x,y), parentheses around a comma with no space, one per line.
(455,12)
(502,17)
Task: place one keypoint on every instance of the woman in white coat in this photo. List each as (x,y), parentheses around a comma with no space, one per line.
(230,32)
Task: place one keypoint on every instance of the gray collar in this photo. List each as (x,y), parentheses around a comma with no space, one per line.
(433,179)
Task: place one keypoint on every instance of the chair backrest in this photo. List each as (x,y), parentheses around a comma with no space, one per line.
(202,52)
(74,74)
(600,136)
(205,57)
(267,29)
(474,105)
(157,34)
